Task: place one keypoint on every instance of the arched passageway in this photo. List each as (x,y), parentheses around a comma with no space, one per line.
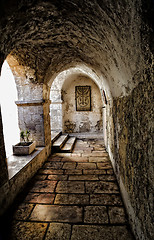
(64,114)
(114,40)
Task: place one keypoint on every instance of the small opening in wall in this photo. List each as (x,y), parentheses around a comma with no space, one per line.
(8,96)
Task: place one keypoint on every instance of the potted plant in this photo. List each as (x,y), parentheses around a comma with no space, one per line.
(24,147)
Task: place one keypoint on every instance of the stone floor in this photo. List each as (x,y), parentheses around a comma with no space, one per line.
(73,197)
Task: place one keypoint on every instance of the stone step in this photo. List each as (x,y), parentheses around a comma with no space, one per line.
(69,145)
(59,143)
(55,135)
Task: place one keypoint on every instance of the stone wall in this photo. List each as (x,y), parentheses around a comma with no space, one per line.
(82,121)
(133,123)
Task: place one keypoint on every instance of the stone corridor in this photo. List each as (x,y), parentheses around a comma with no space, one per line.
(73,196)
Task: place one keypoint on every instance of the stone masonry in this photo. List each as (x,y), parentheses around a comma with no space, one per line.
(73,196)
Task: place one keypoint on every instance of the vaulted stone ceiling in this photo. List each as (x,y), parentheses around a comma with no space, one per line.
(106,35)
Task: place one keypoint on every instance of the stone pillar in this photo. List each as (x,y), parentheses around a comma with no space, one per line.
(56,117)
(3,164)
(47,127)
(33,115)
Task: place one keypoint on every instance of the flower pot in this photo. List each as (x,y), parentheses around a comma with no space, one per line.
(24,148)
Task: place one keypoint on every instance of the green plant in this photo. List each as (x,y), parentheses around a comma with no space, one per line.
(22,135)
(25,135)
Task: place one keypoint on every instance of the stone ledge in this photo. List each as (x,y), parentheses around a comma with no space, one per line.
(17,163)
(32,102)
(21,169)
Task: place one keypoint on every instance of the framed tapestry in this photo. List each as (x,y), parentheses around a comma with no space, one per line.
(83,98)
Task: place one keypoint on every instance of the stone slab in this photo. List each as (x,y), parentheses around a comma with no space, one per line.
(83,177)
(70,187)
(101,187)
(57,177)
(72,214)
(86,166)
(53,165)
(71,172)
(69,165)
(98,159)
(23,211)
(91,232)
(28,230)
(50,171)
(74,159)
(99,153)
(107,177)
(117,215)
(95,214)
(94,171)
(58,231)
(69,199)
(105,199)
(43,198)
(44,186)
(103,165)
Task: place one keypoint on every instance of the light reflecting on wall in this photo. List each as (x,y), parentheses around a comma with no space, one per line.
(8,96)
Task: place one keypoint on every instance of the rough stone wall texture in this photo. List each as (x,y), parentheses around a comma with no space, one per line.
(81,121)
(3,165)
(133,121)
(32,118)
(104,35)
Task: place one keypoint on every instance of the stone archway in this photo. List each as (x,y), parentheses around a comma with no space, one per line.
(62,80)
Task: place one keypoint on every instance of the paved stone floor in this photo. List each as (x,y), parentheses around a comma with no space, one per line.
(73,197)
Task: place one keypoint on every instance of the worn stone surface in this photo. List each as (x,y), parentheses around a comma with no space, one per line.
(44,186)
(94,171)
(86,166)
(69,165)
(101,187)
(117,215)
(50,171)
(83,177)
(68,199)
(90,232)
(95,214)
(134,151)
(57,231)
(73,206)
(107,177)
(105,199)
(70,187)
(57,177)
(57,213)
(28,230)
(23,211)
(44,198)
(72,172)
(53,165)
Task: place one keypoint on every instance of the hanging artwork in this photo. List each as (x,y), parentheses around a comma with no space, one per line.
(83,98)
